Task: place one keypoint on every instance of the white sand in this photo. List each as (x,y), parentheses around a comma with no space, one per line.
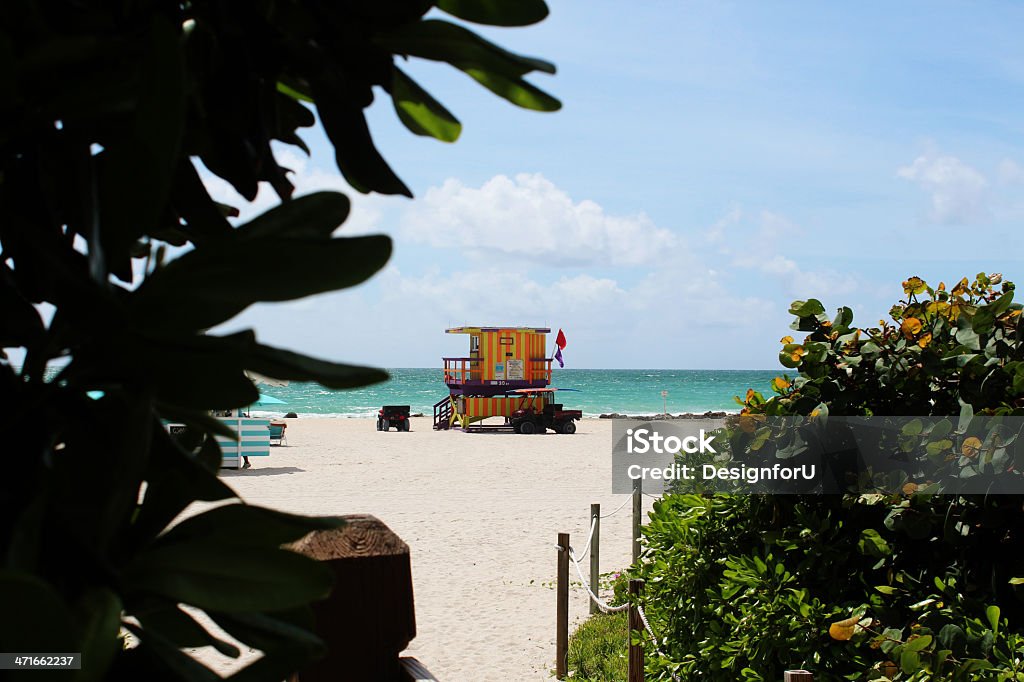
(480,512)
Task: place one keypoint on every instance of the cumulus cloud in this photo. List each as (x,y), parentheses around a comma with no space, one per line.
(529,218)
(535,300)
(958,191)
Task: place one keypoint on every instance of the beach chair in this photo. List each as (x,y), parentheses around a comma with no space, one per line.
(277,436)
(253,440)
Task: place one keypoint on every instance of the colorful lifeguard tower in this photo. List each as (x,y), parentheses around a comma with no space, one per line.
(501,360)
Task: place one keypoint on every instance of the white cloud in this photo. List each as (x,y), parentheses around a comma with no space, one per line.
(958,191)
(530,219)
(469,296)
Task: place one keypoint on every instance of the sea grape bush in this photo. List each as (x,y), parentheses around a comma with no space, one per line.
(901,585)
(942,350)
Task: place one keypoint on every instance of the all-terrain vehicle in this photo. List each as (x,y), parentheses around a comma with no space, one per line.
(532,419)
(393,415)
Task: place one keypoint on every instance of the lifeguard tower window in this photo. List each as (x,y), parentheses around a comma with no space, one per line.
(474,344)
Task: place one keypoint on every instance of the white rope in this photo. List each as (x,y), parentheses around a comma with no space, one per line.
(597,600)
(586,547)
(624,503)
(654,638)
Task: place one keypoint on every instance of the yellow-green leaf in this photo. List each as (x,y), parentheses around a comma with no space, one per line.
(843,630)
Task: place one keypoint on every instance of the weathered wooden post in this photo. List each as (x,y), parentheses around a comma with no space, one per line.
(635,671)
(638,502)
(798,676)
(595,554)
(562,621)
(369,618)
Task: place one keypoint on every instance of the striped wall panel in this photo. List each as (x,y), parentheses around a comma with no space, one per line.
(525,346)
(254,440)
(481,408)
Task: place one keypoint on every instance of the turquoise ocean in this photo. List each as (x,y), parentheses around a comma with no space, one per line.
(600,391)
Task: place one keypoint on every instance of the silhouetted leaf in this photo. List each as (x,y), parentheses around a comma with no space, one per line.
(496,12)
(357,157)
(162,660)
(228,578)
(420,112)
(191,200)
(246,525)
(208,286)
(269,631)
(21,322)
(515,90)
(174,481)
(199,419)
(311,216)
(291,91)
(284,364)
(98,622)
(446,42)
(148,148)
(181,629)
(43,618)
(285,638)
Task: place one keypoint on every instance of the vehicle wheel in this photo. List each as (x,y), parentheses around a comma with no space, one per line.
(527,428)
(380,426)
(517,427)
(405,425)
(385,425)
(569,427)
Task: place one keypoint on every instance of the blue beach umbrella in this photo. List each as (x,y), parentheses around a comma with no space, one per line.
(265,400)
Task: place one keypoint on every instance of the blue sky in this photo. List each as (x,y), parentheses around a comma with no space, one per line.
(712,162)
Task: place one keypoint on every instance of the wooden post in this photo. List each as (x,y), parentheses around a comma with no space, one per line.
(595,555)
(798,676)
(638,501)
(562,623)
(368,619)
(635,671)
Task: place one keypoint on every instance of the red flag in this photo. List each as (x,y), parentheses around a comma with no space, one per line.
(560,339)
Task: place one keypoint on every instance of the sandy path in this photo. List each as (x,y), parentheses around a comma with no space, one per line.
(480,513)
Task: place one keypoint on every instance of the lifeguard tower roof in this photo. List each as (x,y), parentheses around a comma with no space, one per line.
(478,330)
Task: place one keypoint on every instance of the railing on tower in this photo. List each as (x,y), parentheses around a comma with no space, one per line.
(541,369)
(459,371)
(462,370)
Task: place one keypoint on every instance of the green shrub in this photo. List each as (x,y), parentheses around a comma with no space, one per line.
(880,586)
(598,649)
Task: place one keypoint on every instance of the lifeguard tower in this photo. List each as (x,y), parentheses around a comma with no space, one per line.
(501,360)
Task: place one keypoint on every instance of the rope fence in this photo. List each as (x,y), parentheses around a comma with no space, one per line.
(637,617)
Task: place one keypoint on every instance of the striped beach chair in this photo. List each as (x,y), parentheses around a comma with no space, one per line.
(253,441)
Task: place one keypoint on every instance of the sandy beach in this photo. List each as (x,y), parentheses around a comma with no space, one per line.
(480,513)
